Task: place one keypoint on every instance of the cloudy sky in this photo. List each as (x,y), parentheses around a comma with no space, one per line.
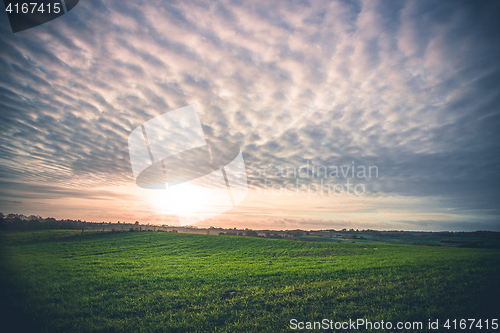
(409,87)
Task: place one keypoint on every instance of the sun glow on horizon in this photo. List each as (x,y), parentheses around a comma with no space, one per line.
(166,202)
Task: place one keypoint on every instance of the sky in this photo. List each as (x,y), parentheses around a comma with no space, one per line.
(407,89)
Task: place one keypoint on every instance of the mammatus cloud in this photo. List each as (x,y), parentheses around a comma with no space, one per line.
(411,87)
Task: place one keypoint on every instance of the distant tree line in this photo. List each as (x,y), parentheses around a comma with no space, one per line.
(35,222)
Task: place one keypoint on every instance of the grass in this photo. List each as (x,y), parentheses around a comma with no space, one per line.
(65,281)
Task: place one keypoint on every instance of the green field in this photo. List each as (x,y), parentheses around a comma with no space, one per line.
(432,240)
(65,281)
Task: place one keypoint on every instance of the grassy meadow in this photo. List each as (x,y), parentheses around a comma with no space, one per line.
(66,281)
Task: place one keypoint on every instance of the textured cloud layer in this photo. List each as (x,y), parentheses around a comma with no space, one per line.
(412,87)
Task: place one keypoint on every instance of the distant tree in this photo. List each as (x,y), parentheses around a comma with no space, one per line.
(296,233)
(251,233)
